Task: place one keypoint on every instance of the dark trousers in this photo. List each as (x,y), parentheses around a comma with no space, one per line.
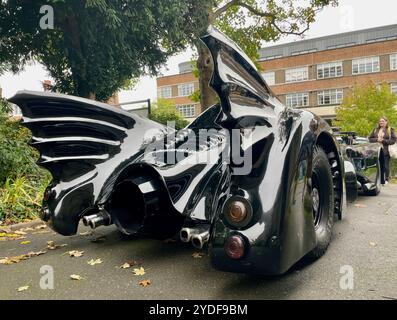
(384,168)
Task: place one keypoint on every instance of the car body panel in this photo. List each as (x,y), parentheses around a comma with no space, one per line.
(103,158)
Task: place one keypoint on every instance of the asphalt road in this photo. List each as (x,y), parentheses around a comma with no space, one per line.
(365,241)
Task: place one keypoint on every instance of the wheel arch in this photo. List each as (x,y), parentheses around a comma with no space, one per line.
(327,142)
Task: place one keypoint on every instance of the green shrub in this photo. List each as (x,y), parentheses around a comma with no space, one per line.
(164,111)
(22,182)
(20,199)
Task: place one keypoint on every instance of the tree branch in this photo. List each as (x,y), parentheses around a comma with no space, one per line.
(258,13)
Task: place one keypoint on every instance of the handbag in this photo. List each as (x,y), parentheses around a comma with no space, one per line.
(393,151)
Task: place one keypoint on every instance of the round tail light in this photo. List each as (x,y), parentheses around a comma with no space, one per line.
(238,213)
(234,247)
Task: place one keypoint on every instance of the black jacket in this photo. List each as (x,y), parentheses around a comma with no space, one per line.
(388,139)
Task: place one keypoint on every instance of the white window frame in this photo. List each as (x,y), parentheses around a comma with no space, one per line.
(330,70)
(270,77)
(393,88)
(365,65)
(187,110)
(297,100)
(393,62)
(297,74)
(185,89)
(330,97)
(165,92)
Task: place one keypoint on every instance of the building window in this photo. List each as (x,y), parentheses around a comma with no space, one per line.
(393,61)
(329,70)
(296,75)
(165,92)
(366,65)
(270,78)
(187,111)
(298,100)
(394,88)
(330,97)
(185,89)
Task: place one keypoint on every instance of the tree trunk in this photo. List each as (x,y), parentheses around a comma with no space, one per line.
(208,97)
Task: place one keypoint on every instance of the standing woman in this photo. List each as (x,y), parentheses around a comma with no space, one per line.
(384,135)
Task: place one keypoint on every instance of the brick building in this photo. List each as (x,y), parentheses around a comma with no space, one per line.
(313,74)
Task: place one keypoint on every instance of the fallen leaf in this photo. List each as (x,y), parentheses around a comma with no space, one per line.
(197,255)
(42,226)
(139,271)
(23,288)
(16,259)
(41,232)
(359,205)
(22,233)
(52,246)
(25,242)
(26,229)
(9,235)
(93,262)
(145,283)
(125,266)
(5,230)
(372,244)
(75,253)
(76,277)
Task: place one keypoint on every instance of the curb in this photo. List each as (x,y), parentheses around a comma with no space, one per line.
(29,224)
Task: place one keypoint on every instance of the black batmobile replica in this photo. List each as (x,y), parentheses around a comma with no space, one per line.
(259,182)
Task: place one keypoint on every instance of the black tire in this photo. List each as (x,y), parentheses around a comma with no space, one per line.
(322,192)
(376,191)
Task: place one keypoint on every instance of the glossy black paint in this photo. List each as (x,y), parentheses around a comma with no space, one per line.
(102,158)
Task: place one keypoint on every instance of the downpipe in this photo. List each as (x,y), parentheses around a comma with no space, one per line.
(102,218)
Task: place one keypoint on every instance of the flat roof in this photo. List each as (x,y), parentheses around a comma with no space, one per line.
(335,41)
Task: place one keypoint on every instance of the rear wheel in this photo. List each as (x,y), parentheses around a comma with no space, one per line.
(322,192)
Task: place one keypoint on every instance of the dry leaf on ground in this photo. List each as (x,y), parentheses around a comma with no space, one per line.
(372,244)
(75,253)
(197,255)
(52,246)
(76,277)
(93,262)
(25,242)
(41,232)
(42,226)
(139,271)
(16,259)
(125,266)
(24,288)
(20,232)
(145,283)
(359,205)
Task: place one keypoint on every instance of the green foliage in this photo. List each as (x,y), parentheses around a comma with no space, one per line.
(249,22)
(164,111)
(361,109)
(97,46)
(20,199)
(22,182)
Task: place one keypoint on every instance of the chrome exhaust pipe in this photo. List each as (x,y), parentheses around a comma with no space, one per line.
(102,218)
(200,239)
(186,234)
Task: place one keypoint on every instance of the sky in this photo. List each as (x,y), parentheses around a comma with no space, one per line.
(350,15)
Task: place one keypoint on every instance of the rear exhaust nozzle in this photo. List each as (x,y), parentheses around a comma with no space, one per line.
(186,234)
(102,218)
(199,240)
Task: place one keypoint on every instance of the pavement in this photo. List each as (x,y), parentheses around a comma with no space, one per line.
(361,263)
